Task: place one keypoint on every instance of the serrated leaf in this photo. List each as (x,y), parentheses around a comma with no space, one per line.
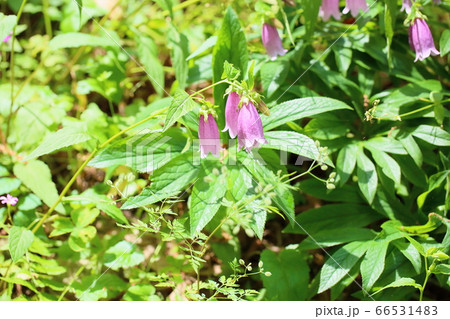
(37,177)
(340,263)
(432,134)
(231,46)
(206,198)
(292,142)
(143,152)
(181,104)
(367,176)
(300,108)
(166,182)
(373,263)
(20,239)
(346,162)
(402,282)
(58,140)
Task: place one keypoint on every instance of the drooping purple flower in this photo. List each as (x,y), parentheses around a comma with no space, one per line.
(250,130)
(9,200)
(421,40)
(406,6)
(208,133)
(272,41)
(354,6)
(8,37)
(330,8)
(231,114)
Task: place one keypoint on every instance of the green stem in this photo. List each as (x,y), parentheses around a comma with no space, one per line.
(71,282)
(48,23)
(427,275)
(80,169)
(11,67)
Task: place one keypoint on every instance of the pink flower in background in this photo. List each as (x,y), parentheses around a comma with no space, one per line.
(421,40)
(9,200)
(272,41)
(330,8)
(406,6)
(231,114)
(8,37)
(250,130)
(354,6)
(208,133)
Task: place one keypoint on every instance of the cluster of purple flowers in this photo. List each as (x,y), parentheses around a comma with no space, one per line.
(241,120)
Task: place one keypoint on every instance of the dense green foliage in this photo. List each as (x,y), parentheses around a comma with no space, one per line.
(99,109)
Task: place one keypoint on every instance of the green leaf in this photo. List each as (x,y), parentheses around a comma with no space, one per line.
(402,282)
(181,104)
(179,52)
(367,176)
(20,239)
(209,43)
(273,75)
(432,134)
(37,177)
(292,142)
(166,182)
(373,263)
(442,269)
(333,216)
(123,255)
(386,144)
(231,46)
(346,162)
(410,252)
(445,42)
(84,216)
(148,55)
(8,184)
(7,24)
(311,12)
(113,211)
(206,198)
(390,14)
(411,147)
(57,140)
(61,226)
(76,39)
(336,236)
(340,263)
(389,166)
(143,152)
(95,287)
(290,275)
(317,189)
(434,221)
(300,108)
(258,218)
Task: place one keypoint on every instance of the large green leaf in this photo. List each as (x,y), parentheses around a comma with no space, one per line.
(206,197)
(300,108)
(389,166)
(37,177)
(292,142)
(336,236)
(373,263)
(166,182)
(179,52)
(367,176)
(289,275)
(346,162)
(57,140)
(231,46)
(143,152)
(432,134)
(273,75)
(333,216)
(20,239)
(339,264)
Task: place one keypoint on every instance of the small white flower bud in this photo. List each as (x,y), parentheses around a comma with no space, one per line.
(268,274)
